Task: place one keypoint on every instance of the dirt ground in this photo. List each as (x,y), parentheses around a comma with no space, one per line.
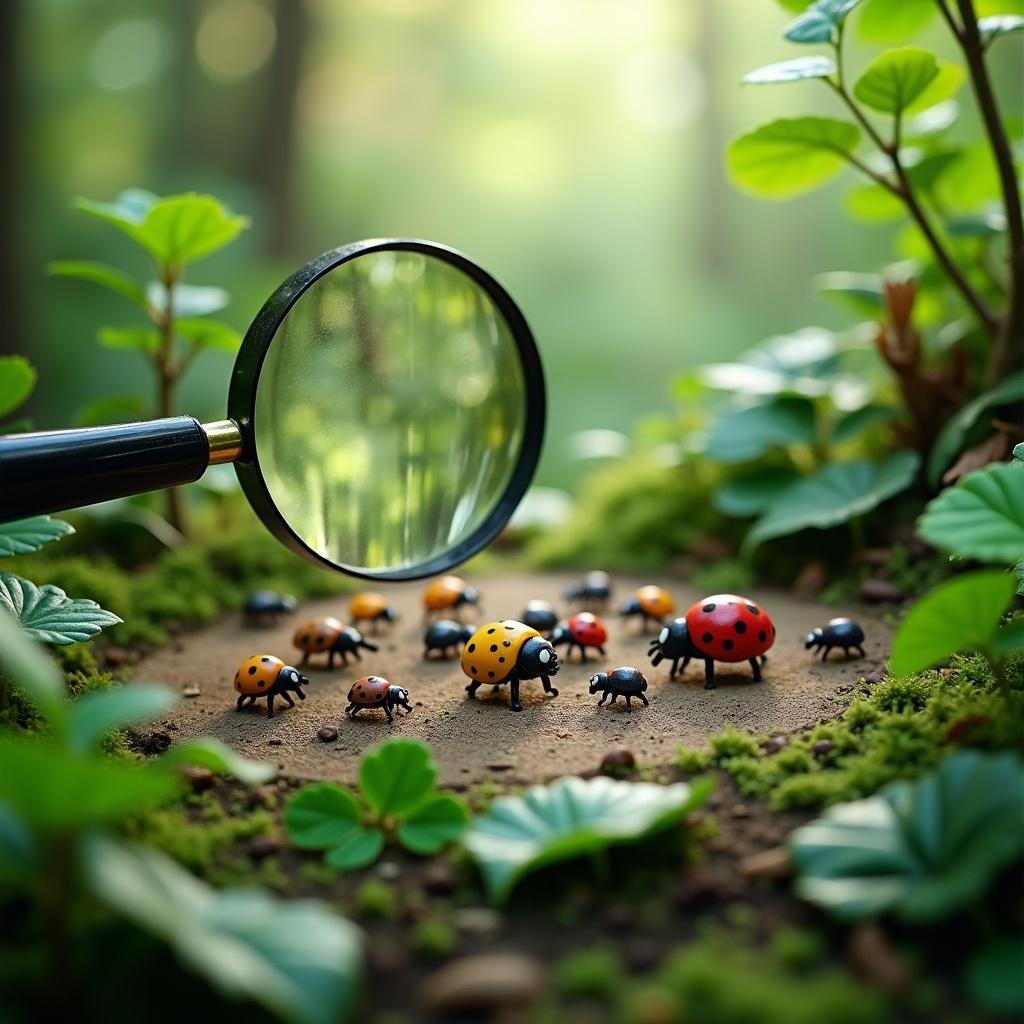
(476,739)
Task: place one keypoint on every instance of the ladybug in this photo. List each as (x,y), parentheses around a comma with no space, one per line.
(673,643)
(726,627)
(594,592)
(376,692)
(448,594)
(263,675)
(841,632)
(582,631)
(444,635)
(371,607)
(625,682)
(265,607)
(539,615)
(507,652)
(331,636)
(652,603)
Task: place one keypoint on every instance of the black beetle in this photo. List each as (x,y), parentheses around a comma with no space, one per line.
(673,643)
(265,607)
(445,635)
(594,591)
(623,682)
(841,632)
(539,615)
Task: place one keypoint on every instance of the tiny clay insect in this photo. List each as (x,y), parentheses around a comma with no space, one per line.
(581,631)
(539,615)
(593,592)
(842,632)
(673,644)
(448,594)
(376,692)
(625,682)
(263,675)
(508,652)
(265,607)
(331,636)
(652,604)
(727,627)
(445,635)
(371,607)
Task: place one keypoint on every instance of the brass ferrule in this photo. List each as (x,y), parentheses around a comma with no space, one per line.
(225,440)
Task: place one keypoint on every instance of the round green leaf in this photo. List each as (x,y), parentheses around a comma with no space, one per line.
(918,849)
(94,714)
(943,87)
(47,614)
(17,379)
(397,776)
(359,847)
(959,615)
(434,824)
(894,79)
(790,156)
(820,22)
(791,71)
(747,433)
(570,818)
(24,536)
(184,228)
(321,815)
(883,21)
(834,495)
(981,517)
(751,493)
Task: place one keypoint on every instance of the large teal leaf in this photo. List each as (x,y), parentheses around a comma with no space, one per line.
(820,22)
(46,613)
(742,434)
(918,849)
(749,494)
(791,71)
(896,78)
(570,818)
(24,536)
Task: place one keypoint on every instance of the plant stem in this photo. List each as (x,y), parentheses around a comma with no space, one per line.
(1009,341)
(169,371)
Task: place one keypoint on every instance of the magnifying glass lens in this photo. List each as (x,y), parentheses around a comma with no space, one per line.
(390,412)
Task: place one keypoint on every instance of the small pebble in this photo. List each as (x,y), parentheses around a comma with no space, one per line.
(439,878)
(822,747)
(190,691)
(327,733)
(618,758)
(562,735)
(261,847)
(274,743)
(388,870)
(774,744)
(482,986)
(739,811)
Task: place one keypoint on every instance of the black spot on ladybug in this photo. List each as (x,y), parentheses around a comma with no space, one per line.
(501,661)
(472,668)
(506,643)
(709,607)
(762,636)
(472,648)
(492,630)
(490,675)
(265,658)
(262,683)
(707,638)
(252,670)
(753,609)
(727,644)
(740,627)
(494,647)
(511,629)
(319,639)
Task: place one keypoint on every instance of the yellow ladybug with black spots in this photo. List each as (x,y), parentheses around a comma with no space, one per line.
(370,606)
(508,652)
(652,604)
(263,675)
(448,594)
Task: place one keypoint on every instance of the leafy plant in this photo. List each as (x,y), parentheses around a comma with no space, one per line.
(919,850)
(49,615)
(23,536)
(397,782)
(174,232)
(571,818)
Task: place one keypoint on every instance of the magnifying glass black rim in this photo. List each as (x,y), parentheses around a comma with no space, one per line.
(249,363)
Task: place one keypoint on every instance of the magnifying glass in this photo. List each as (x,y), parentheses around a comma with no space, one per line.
(385,417)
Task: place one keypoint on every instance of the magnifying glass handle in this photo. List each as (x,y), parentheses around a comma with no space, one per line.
(55,470)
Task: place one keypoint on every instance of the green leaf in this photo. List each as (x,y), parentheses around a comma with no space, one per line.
(943,87)
(953,435)
(28,666)
(101,274)
(856,422)
(1009,638)
(751,493)
(184,228)
(297,959)
(188,299)
(360,847)
(112,409)
(24,536)
(873,204)
(886,21)
(820,22)
(994,977)
(126,213)
(961,614)
(981,517)
(207,752)
(434,824)
(860,292)
(791,71)
(397,776)
(570,818)
(145,339)
(321,815)
(982,225)
(917,849)
(1018,452)
(834,495)
(790,156)
(17,379)
(895,78)
(209,334)
(997,25)
(47,614)
(747,433)
(95,714)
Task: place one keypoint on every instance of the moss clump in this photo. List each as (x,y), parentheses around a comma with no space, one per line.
(595,973)
(434,938)
(730,743)
(692,762)
(375,898)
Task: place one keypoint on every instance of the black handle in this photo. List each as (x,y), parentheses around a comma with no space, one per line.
(60,469)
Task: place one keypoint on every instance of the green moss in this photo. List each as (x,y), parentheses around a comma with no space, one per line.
(730,743)
(595,973)
(434,938)
(375,898)
(692,762)
(798,949)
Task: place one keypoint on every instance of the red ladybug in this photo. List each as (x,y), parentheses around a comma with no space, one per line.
(582,631)
(726,627)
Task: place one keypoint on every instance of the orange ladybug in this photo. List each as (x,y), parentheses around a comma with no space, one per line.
(331,636)
(263,675)
(448,594)
(651,603)
(506,652)
(370,606)
(376,692)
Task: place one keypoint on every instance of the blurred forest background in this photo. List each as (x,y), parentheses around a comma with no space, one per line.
(572,147)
